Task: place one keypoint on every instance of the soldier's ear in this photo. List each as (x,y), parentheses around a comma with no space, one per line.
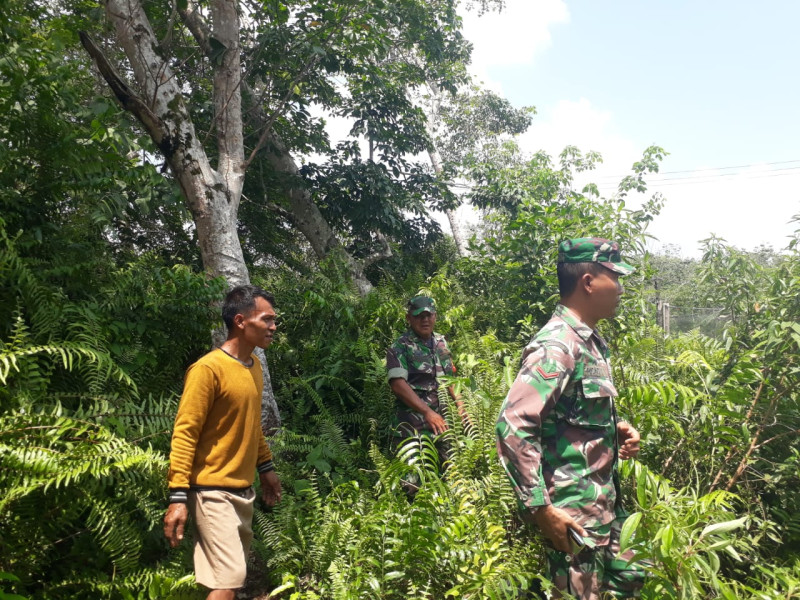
(586,280)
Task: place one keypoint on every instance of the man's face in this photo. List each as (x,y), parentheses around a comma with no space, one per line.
(606,293)
(422,324)
(259,324)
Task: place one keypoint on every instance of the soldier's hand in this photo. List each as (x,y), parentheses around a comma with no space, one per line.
(554,523)
(628,440)
(175,522)
(435,421)
(270,488)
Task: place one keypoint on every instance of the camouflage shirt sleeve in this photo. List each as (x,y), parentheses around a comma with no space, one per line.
(543,377)
(397,361)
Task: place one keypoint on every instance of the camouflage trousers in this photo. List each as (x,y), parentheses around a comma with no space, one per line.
(597,573)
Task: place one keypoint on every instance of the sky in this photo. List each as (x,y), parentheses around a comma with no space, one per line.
(713,83)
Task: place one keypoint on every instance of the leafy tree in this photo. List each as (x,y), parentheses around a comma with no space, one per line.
(531,208)
(261,93)
(466,129)
(71,182)
(243,105)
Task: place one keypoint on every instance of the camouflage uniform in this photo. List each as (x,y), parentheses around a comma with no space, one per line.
(557,441)
(421,365)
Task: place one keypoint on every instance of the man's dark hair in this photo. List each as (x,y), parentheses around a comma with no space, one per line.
(570,273)
(241,300)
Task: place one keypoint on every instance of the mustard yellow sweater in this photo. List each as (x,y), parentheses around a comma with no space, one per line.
(217,440)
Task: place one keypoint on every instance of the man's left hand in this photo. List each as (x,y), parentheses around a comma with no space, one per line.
(270,488)
(628,440)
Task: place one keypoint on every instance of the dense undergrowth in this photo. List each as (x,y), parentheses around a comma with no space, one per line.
(90,387)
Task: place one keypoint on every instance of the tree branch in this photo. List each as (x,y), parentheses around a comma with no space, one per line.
(166,41)
(383,253)
(126,96)
(197,26)
(672,456)
(272,207)
(778,436)
(267,127)
(773,406)
(732,449)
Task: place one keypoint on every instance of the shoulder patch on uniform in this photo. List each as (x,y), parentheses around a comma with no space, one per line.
(551,343)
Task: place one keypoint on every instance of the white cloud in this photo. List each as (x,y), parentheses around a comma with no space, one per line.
(745,207)
(578,123)
(515,36)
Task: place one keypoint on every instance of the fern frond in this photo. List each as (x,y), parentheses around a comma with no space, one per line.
(68,355)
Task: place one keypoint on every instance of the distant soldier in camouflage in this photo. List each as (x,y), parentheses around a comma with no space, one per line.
(415,362)
(559,437)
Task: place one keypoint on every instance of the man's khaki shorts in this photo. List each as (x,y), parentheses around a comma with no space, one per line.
(223,532)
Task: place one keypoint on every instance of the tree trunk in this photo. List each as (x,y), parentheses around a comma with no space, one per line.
(303,212)
(458,237)
(211,195)
(436,162)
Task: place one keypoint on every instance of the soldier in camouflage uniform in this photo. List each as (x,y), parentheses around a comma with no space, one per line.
(559,437)
(415,362)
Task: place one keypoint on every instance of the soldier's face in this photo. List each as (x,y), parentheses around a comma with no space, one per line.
(606,293)
(422,324)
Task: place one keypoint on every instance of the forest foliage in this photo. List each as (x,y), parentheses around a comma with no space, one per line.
(104,303)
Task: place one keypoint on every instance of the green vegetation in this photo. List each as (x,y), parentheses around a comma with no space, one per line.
(104,303)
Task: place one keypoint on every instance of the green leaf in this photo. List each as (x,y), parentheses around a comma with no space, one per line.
(732,551)
(322,465)
(641,489)
(628,529)
(666,539)
(724,527)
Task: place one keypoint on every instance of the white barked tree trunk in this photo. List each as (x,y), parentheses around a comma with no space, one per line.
(212,194)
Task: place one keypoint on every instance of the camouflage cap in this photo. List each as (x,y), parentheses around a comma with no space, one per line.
(419,304)
(596,250)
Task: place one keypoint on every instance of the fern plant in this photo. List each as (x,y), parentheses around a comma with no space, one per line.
(82,454)
(364,539)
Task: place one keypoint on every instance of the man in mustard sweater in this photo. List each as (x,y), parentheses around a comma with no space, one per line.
(218,445)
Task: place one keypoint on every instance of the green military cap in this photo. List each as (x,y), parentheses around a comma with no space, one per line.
(596,250)
(419,304)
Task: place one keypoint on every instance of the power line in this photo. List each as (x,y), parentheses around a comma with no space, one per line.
(769,164)
(613,180)
(700,179)
(745,173)
(740,173)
